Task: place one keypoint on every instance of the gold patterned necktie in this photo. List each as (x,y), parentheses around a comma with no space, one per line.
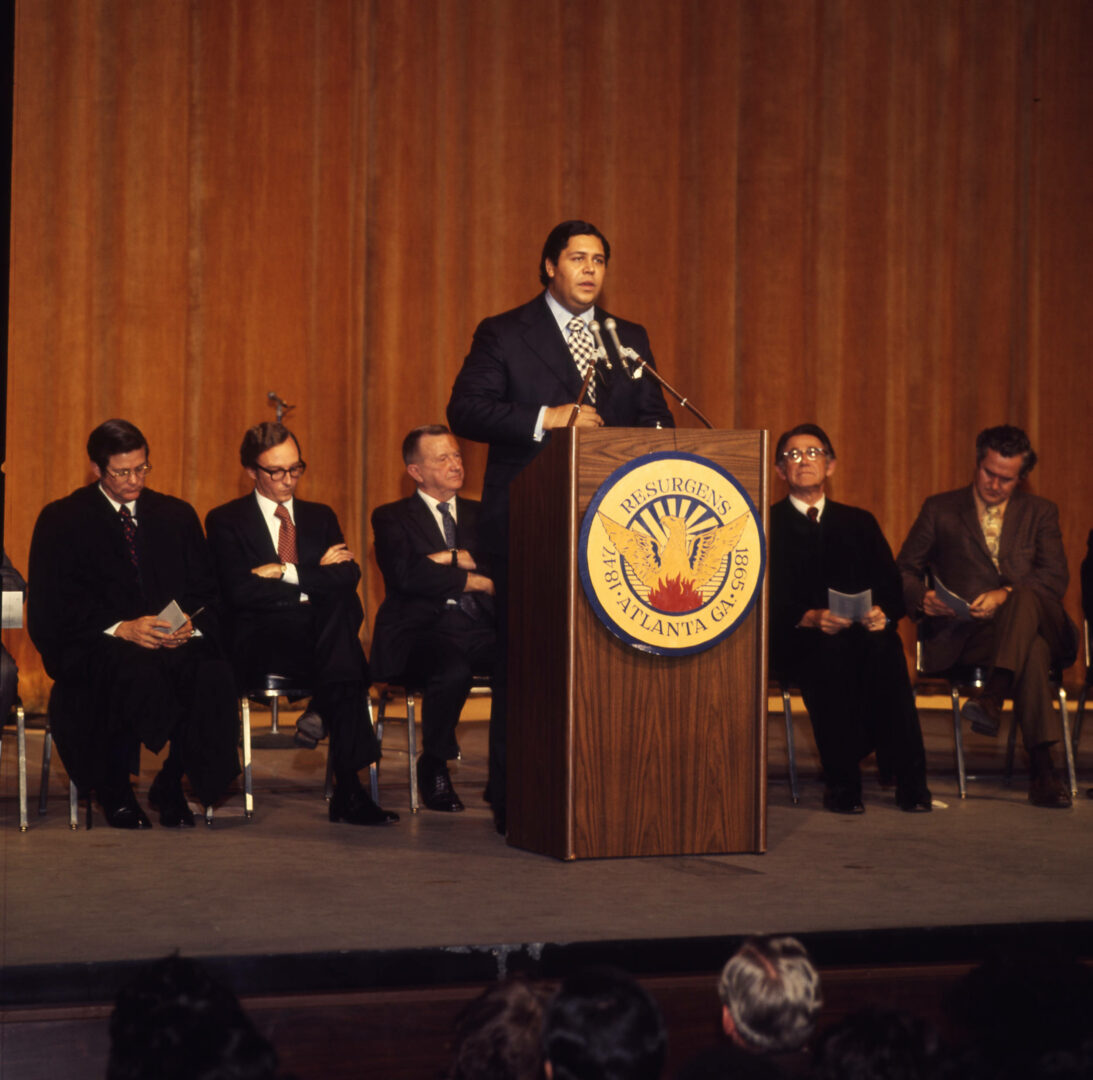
(992,531)
(583,350)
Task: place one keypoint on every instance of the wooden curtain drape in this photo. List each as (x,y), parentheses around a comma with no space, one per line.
(874,214)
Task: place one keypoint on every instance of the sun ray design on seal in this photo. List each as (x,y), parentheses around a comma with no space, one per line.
(671,557)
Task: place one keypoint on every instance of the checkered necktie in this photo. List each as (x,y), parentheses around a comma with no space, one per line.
(129,527)
(286,538)
(583,349)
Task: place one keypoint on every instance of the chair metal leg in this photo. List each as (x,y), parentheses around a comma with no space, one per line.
(21,745)
(74,807)
(248,778)
(274,707)
(791,751)
(373,769)
(1079,716)
(47,757)
(958,745)
(1068,745)
(411,749)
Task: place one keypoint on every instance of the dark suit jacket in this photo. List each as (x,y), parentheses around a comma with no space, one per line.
(519,361)
(417,589)
(845,551)
(240,540)
(80,583)
(947,540)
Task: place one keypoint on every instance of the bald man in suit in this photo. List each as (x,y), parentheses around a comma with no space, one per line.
(436,623)
(1000,548)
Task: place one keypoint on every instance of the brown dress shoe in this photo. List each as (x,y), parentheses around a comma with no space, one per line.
(984,713)
(1045,787)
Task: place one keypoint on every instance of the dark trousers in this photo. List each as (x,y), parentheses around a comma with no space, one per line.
(859,699)
(151,696)
(1024,636)
(317,644)
(443,661)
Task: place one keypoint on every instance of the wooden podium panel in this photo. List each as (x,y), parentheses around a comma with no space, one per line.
(613,750)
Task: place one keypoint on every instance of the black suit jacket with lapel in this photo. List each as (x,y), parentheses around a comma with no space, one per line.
(947,540)
(417,588)
(519,361)
(240,541)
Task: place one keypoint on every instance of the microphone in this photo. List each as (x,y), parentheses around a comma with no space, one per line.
(624,351)
(601,352)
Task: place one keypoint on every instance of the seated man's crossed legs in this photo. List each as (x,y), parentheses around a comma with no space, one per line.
(317,644)
(1018,645)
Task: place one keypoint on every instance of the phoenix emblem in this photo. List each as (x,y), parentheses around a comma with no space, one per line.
(675,570)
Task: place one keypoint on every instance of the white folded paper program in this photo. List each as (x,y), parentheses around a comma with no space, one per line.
(853,606)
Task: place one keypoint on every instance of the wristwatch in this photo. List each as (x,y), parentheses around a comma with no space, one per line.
(455,556)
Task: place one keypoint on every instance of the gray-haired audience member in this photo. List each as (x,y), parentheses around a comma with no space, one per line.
(601,1025)
(499,1034)
(770,995)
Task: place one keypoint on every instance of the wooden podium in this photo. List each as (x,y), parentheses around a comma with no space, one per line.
(612,750)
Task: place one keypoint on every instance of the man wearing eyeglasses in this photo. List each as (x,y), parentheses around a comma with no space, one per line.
(999,548)
(105,563)
(290,583)
(852,674)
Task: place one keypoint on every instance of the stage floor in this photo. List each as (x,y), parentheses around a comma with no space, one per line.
(447,889)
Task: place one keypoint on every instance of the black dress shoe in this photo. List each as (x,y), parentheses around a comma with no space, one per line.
(919,801)
(309,730)
(357,808)
(984,712)
(435,786)
(166,796)
(124,812)
(843,802)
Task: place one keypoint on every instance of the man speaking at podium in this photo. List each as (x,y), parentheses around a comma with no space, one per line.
(522,379)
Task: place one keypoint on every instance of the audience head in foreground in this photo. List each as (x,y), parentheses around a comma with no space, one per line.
(601,1025)
(174,1021)
(770,995)
(499,1034)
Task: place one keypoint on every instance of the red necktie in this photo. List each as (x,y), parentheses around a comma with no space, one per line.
(286,538)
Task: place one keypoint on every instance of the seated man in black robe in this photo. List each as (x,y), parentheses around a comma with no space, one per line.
(105,562)
(290,583)
(852,675)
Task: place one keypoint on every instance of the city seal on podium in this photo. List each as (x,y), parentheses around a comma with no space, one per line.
(671,553)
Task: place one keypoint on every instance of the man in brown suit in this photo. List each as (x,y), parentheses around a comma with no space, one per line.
(999,548)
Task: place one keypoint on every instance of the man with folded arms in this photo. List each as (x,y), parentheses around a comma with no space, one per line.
(435,626)
(105,562)
(999,548)
(291,586)
(852,675)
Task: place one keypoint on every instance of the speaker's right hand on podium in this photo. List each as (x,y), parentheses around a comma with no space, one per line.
(557,416)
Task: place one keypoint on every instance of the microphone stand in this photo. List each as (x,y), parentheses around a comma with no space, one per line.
(640,366)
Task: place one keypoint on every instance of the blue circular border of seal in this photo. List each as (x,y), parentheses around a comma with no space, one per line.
(586,526)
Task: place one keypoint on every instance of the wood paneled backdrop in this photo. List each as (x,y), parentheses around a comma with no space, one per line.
(874,214)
